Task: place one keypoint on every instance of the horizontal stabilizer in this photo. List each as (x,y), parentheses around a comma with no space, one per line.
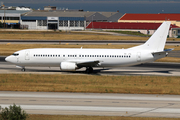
(168,50)
(165,51)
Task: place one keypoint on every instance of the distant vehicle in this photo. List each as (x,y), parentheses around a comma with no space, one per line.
(71,59)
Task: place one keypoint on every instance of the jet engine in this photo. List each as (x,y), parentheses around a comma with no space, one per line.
(68,66)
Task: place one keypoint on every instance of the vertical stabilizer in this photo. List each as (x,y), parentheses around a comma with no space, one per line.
(157,41)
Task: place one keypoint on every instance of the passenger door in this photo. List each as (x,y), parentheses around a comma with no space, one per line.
(27,55)
(138,56)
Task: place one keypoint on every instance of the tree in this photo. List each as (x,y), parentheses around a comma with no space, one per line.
(12,113)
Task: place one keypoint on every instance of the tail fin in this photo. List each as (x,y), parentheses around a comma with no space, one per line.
(157,41)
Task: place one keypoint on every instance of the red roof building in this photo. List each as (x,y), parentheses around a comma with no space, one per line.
(151,18)
(114,25)
(145,28)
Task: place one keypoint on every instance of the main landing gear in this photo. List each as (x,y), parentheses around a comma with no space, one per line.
(23,69)
(89,70)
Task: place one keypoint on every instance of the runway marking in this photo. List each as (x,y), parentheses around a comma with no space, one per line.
(140,105)
(154,109)
(84,96)
(95,108)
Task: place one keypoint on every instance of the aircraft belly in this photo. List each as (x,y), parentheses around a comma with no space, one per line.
(41,64)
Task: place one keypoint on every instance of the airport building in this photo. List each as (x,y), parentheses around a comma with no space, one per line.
(68,20)
(154,18)
(44,20)
(151,18)
(62,20)
(145,28)
(11,18)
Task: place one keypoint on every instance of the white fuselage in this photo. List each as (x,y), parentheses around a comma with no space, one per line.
(52,57)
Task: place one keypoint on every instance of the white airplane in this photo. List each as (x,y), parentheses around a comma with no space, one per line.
(72,59)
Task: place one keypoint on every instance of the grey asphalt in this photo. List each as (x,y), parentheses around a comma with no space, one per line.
(2,58)
(131,105)
(148,69)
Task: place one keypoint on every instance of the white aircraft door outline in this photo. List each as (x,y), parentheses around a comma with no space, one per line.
(27,55)
(17,58)
(138,56)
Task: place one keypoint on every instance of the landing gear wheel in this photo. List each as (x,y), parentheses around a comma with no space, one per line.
(89,70)
(23,69)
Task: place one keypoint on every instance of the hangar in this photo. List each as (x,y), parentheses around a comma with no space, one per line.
(154,18)
(64,19)
(145,28)
(44,20)
(151,18)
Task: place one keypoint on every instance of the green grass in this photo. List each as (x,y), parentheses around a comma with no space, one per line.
(131,33)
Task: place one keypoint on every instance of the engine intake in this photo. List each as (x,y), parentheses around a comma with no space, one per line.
(68,66)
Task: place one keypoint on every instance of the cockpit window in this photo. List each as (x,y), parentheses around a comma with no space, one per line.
(15,54)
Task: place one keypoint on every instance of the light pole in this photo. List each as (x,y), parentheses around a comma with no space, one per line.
(92,21)
(4,16)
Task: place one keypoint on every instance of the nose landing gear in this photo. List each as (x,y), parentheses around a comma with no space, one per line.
(22,68)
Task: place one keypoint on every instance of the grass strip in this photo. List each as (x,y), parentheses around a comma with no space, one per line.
(131,33)
(66,36)
(56,35)
(83,117)
(90,83)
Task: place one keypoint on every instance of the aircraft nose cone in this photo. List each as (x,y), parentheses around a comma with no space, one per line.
(7,59)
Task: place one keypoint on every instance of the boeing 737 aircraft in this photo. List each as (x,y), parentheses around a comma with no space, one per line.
(72,59)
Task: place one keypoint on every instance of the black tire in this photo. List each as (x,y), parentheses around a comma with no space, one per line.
(89,70)
(23,69)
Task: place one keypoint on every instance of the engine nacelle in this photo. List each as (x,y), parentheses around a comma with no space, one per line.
(68,66)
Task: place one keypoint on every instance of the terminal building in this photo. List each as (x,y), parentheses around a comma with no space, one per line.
(44,20)
(62,19)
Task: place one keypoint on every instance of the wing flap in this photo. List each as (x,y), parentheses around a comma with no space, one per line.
(86,63)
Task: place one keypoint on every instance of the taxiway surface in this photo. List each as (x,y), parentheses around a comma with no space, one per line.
(132,105)
(159,69)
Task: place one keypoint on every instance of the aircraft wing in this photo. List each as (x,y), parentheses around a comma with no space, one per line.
(87,63)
